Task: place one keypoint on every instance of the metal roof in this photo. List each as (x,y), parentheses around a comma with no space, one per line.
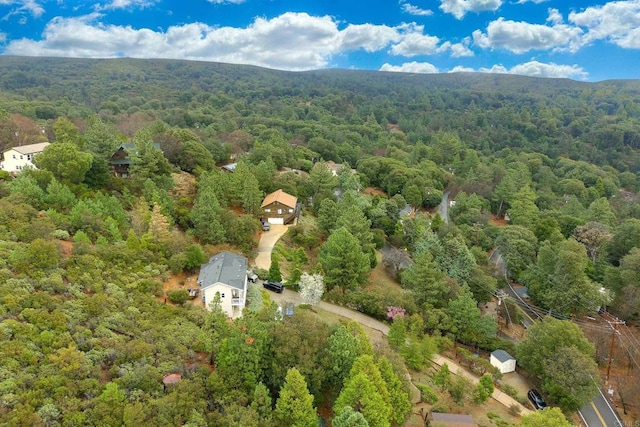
(502,356)
(225,267)
(31,148)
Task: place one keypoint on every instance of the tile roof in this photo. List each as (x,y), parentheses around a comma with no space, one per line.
(280,196)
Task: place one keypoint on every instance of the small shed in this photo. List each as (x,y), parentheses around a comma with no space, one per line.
(450,420)
(503,361)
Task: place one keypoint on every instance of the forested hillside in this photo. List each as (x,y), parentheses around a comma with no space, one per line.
(545,172)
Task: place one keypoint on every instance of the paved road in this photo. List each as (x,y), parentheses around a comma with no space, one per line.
(598,412)
(268,240)
(294,297)
(291,296)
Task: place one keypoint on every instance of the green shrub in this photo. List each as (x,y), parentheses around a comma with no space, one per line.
(178,296)
(177,262)
(254,298)
(440,407)
(60,234)
(515,409)
(510,390)
(427,394)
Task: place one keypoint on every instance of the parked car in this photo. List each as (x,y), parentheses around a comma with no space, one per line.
(266,226)
(273,286)
(536,399)
(251,276)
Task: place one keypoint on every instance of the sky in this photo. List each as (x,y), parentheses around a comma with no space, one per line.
(587,40)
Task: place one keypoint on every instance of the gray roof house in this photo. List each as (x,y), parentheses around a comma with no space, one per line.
(225,276)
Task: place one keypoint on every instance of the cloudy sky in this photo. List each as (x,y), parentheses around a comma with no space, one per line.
(588,40)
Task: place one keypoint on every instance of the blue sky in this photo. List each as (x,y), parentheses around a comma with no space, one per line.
(589,40)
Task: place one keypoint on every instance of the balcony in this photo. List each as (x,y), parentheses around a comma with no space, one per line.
(237,302)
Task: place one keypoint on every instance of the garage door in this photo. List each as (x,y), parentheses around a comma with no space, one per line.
(276,220)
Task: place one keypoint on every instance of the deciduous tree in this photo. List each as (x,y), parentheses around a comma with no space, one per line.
(311,288)
(65,161)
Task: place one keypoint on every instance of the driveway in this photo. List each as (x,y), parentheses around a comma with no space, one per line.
(268,240)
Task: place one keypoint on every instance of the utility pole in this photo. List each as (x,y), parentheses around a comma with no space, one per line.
(614,325)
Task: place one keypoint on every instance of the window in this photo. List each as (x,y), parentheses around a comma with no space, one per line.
(20,156)
(290,210)
(14,156)
(221,295)
(279,211)
(267,210)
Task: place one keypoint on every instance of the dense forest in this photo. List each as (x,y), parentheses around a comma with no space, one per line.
(544,171)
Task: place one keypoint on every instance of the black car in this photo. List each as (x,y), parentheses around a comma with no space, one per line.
(536,399)
(273,286)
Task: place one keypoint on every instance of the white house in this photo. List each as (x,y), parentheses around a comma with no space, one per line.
(226,275)
(18,158)
(503,361)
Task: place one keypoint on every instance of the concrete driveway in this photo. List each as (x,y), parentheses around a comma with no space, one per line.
(267,241)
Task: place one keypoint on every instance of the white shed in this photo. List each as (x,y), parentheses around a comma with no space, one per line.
(503,361)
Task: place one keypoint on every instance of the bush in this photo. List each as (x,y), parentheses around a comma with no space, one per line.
(60,234)
(427,394)
(510,390)
(150,285)
(177,263)
(254,298)
(515,409)
(178,296)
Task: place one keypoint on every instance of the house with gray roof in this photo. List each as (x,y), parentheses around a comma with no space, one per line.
(225,276)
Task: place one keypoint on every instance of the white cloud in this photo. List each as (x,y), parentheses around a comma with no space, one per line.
(19,7)
(368,37)
(458,50)
(3,37)
(540,69)
(534,69)
(532,1)
(459,8)
(555,17)
(125,4)
(520,37)
(292,41)
(415,10)
(226,1)
(411,67)
(414,44)
(616,21)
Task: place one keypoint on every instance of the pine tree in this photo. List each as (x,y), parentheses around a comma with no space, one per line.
(275,275)
(294,407)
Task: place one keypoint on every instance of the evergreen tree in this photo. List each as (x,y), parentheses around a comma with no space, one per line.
(295,405)
(349,418)
(344,264)
(275,275)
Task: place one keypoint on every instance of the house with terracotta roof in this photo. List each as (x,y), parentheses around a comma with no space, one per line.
(19,158)
(224,278)
(279,208)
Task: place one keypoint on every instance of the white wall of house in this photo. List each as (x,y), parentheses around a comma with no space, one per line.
(232,300)
(16,162)
(503,367)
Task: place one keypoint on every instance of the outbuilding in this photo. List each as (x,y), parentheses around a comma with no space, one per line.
(503,361)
